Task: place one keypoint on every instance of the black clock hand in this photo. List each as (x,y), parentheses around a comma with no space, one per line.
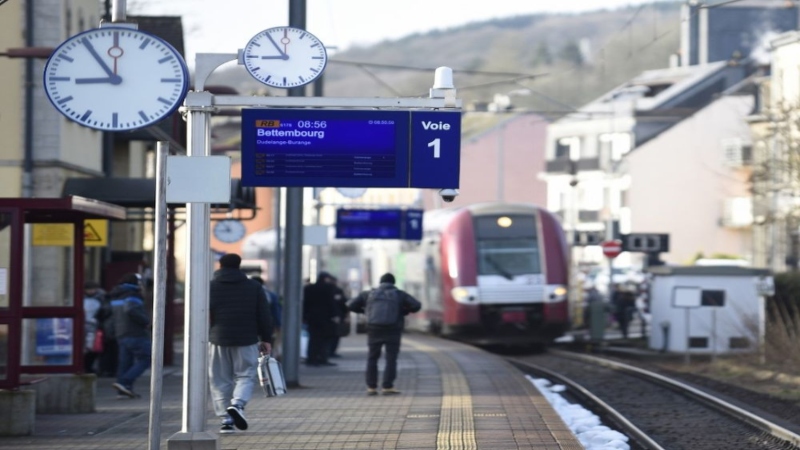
(114,79)
(283,55)
(97,57)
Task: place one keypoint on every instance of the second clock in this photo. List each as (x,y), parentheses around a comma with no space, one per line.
(285,57)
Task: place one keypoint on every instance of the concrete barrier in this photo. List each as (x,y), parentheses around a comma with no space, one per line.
(66,394)
(17,412)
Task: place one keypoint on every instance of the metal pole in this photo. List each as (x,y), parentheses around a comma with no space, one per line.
(294,246)
(160,297)
(195,370)
(276,224)
(118,11)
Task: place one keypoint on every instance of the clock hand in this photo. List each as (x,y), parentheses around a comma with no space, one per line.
(283,56)
(115,51)
(113,79)
(97,57)
(285,41)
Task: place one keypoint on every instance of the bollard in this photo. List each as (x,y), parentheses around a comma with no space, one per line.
(597,321)
(665,333)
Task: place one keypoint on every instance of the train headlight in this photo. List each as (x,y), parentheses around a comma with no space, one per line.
(556,293)
(463,294)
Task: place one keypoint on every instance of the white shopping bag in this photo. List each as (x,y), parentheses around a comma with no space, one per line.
(270,376)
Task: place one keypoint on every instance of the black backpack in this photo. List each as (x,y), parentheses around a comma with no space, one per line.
(383,307)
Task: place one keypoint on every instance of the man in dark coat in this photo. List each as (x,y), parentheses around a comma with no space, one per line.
(320,314)
(385,308)
(240,327)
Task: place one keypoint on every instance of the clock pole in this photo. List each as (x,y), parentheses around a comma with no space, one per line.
(294,245)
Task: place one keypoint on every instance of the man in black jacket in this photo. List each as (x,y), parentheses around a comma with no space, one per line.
(240,327)
(320,314)
(385,308)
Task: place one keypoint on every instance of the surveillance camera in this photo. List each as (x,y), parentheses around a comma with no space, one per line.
(448,195)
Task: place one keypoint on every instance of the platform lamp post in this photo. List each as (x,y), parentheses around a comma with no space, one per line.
(574,212)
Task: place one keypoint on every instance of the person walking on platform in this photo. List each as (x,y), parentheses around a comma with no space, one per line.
(240,328)
(342,324)
(132,330)
(92,304)
(320,314)
(385,308)
(624,302)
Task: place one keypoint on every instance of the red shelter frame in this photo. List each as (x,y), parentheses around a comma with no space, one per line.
(23,211)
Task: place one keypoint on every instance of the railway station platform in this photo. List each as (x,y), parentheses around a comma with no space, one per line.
(454,397)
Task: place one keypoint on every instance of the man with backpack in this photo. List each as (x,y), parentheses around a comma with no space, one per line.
(385,308)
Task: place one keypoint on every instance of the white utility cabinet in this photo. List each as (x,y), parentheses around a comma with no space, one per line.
(708,309)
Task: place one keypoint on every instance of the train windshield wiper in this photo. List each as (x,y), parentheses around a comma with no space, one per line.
(499,268)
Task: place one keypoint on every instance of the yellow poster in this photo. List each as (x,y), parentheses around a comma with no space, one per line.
(52,234)
(95,234)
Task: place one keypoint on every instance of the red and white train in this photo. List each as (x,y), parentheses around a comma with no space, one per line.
(490,274)
(487,274)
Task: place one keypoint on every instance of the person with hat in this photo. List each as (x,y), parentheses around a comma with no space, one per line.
(240,327)
(132,328)
(320,314)
(385,308)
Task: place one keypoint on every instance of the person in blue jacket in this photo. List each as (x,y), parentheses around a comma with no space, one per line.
(132,328)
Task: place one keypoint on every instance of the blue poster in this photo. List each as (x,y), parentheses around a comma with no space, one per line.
(54,336)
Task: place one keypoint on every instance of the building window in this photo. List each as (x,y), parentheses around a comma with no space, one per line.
(568,148)
(614,145)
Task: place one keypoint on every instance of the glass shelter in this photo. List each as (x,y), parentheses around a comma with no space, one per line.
(41,283)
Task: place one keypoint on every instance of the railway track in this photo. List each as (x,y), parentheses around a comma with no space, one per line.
(655,411)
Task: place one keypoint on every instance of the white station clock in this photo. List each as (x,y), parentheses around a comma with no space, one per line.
(115,79)
(285,57)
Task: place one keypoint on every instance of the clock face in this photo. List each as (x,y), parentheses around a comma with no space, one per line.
(115,79)
(229,231)
(285,57)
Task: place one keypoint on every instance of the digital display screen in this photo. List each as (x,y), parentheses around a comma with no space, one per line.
(325,148)
(379,224)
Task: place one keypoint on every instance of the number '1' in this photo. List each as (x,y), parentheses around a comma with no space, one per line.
(436,144)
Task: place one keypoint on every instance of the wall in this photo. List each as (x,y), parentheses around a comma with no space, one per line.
(679,183)
(11,100)
(522,140)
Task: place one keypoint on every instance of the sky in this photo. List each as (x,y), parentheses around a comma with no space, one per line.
(224,26)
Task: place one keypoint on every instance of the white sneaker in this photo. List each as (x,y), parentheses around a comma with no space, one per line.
(237,414)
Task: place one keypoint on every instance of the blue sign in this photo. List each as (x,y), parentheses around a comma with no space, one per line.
(413,224)
(350,148)
(379,224)
(54,336)
(436,149)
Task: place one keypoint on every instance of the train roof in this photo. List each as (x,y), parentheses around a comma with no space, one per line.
(435,218)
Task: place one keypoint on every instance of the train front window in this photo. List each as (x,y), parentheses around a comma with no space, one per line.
(507,246)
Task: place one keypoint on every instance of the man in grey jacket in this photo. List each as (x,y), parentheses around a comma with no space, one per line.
(240,327)
(385,308)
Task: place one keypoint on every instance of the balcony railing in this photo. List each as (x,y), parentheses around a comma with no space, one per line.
(564,165)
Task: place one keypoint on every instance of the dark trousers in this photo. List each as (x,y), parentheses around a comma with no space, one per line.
(376,340)
(319,338)
(109,359)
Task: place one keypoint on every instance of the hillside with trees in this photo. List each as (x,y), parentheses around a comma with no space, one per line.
(565,60)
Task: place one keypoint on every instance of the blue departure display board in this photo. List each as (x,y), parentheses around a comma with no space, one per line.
(322,148)
(350,148)
(379,224)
